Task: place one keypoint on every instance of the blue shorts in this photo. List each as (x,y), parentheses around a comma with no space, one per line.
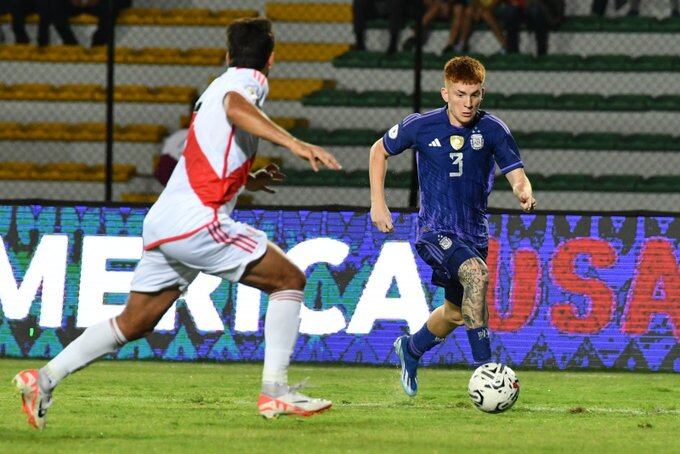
(445,253)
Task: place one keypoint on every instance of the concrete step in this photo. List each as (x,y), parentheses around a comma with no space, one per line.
(506,82)
(382,118)
(379,119)
(91,153)
(481,41)
(545,162)
(74,190)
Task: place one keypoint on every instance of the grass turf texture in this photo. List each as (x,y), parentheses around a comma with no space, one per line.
(170,407)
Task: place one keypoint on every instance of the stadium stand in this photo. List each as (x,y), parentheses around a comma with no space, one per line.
(597,116)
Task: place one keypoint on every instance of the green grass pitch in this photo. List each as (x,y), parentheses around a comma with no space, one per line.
(179,407)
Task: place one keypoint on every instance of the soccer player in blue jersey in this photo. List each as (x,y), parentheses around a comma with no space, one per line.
(456,147)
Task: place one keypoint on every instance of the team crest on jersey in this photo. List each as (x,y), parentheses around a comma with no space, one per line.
(392,134)
(445,242)
(477,141)
(457,142)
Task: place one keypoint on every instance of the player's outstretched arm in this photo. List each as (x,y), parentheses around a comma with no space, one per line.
(521,187)
(377,168)
(244,115)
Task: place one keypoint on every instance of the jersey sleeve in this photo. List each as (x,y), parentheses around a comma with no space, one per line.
(401,136)
(248,86)
(506,152)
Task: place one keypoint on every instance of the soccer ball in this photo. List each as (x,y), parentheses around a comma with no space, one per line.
(493,387)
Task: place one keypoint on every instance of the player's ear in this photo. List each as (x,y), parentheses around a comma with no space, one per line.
(228,59)
(445,94)
(270,60)
(481,98)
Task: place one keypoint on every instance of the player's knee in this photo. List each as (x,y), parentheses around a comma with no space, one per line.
(134,328)
(291,278)
(297,279)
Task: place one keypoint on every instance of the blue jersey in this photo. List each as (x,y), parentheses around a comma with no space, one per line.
(455,169)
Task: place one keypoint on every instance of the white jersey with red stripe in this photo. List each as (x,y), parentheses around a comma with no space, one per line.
(214,166)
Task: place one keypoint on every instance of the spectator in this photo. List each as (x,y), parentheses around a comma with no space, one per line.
(58,11)
(540,16)
(472,11)
(461,23)
(364,10)
(434,9)
(599,7)
(50,12)
(172,149)
(19,9)
(100,9)
(4,9)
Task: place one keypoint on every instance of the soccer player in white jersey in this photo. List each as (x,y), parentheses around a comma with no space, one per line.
(189,230)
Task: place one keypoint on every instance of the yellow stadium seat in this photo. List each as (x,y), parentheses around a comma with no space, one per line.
(294,89)
(261,162)
(290,123)
(309,51)
(138,197)
(309,12)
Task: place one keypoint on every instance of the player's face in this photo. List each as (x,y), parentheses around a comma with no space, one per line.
(463,101)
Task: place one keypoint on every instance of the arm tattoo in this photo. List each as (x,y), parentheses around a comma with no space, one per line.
(474,276)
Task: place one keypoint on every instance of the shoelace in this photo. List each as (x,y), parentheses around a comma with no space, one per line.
(293,389)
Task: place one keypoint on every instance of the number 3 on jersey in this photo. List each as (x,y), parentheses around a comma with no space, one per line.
(457,158)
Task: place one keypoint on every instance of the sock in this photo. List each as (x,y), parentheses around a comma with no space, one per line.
(480,344)
(280,333)
(422,341)
(97,340)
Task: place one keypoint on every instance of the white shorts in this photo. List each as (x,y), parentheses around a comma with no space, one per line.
(222,249)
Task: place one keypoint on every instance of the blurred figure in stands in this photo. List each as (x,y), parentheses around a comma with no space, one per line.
(599,7)
(461,24)
(173,147)
(540,16)
(100,9)
(396,11)
(4,9)
(49,11)
(434,9)
(465,13)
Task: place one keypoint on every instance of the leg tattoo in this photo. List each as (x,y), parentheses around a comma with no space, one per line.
(474,276)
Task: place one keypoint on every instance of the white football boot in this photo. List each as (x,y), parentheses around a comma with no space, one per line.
(291,403)
(34,401)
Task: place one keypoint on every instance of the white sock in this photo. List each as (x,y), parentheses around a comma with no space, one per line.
(96,341)
(280,333)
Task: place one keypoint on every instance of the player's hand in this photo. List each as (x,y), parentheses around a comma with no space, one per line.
(382,218)
(263,178)
(526,201)
(315,155)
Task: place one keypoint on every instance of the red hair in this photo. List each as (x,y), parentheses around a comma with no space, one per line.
(467,70)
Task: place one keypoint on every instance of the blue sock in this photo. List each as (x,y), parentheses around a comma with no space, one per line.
(422,341)
(480,344)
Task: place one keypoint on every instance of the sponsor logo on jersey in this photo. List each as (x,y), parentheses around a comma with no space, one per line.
(477,141)
(392,134)
(445,242)
(457,142)
(435,143)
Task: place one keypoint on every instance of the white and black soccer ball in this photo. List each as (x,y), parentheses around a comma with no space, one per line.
(493,387)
